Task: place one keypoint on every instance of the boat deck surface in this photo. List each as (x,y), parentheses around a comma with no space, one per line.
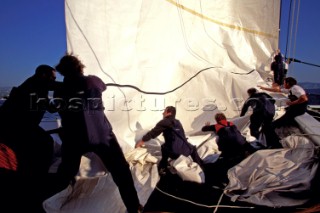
(172,194)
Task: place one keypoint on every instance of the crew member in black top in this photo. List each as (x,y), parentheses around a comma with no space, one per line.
(277,67)
(25,145)
(176,143)
(20,116)
(85,128)
(263,111)
(233,146)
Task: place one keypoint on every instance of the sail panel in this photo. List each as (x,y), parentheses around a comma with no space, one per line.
(203,55)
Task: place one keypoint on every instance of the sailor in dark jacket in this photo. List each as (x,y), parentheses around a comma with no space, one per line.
(20,116)
(233,146)
(176,143)
(25,145)
(28,102)
(85,128)
(277,67)
(263,111)
(230,142)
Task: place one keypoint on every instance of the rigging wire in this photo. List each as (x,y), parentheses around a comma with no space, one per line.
(205,29)
(291,27)
(289,20)
(296,29)
(302,62)
(185,39)
(293,21)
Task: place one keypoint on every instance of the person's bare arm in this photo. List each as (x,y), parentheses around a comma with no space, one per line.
(270,89)
(139,144)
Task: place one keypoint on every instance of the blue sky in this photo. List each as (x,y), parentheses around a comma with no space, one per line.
(306,46)
(33,32)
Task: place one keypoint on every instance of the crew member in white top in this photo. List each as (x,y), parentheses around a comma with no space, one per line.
(297,103)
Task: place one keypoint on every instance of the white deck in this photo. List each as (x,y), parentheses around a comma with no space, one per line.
(310,126)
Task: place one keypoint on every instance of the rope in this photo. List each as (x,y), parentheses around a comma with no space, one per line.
(219,201)
(305,134)
(203,205)
(170,91)
(302,62)
(159,93)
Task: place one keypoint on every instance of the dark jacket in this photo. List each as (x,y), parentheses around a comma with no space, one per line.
(82,112)
(278,69)
(261,104)
(26,104)
(175,140)
(230,142)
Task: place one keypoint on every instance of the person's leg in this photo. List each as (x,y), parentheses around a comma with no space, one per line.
(255,124)
(42,152)
(216,173)
(195,156)
(273,140)
(284,120)
(288,117)
(163,164)
(69,166)
(114,160)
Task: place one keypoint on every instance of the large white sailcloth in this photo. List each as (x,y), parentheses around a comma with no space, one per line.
(200,56)
(158,45)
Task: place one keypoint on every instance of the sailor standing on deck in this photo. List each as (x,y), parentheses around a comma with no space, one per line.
(277,66)
(20,116)
(263,111)
(85,128)
(31,146)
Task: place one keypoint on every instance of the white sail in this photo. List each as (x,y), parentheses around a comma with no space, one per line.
(159,45)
